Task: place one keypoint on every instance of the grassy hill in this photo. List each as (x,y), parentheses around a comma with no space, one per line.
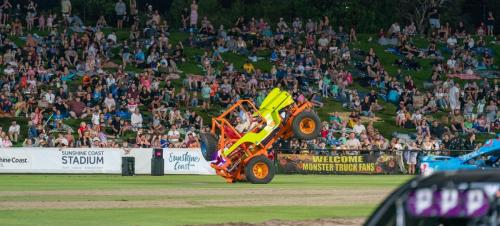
(386,126)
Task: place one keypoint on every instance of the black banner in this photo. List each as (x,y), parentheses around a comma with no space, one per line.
(339,164)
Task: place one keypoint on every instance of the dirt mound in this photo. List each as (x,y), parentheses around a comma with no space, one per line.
(316,222)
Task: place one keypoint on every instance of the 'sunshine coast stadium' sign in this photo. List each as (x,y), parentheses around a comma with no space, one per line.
(95,160)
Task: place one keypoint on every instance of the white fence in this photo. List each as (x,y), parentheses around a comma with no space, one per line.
(98,160)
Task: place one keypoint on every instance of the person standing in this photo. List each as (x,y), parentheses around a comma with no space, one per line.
(133,19)
(194,14)
(411,157)
(66,10)
(454,95)
(31,15)
(121,13)
(490,22)
(6,11)
(185,17)
(434,18)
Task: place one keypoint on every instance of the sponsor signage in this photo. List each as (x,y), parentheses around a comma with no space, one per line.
(14,160)
(53,160)
(186,161)
(337,164)
(98,160)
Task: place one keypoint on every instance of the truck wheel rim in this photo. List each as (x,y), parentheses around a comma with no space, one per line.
(307,125)
(260,170)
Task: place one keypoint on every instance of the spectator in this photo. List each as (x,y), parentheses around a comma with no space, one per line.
(136,119)
(490,22)
(173,135)
(194,15)
(66,9)
(434,18)
(121,13)
(411,157)
(14,131)
(353,143)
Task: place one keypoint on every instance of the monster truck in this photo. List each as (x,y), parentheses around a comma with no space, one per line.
(240,139)
(488,156)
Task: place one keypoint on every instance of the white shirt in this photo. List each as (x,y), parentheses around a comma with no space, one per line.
(110,81)
(398,146)
(451,41)
(95,118)
(451,63)
(14,128)
(353,143)
(454,93)
(396,28)
(63,141)
(50,97)
(358,128)
(416,116)
(323,42)
(471,43)
(109,102)
(136,119)
(112,37)
(175,134)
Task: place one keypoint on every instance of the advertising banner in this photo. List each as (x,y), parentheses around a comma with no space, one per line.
(54,160)
(338,164)
(186,161)
(99,160)
(13,160)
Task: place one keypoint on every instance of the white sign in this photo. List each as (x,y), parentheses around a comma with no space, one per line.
(98,160)
(142,158)
(15,160)
(54,160)
(186,161)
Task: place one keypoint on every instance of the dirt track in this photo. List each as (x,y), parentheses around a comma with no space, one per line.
(209,197)
(317,222)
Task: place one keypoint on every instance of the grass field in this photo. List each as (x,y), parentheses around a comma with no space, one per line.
(180,200)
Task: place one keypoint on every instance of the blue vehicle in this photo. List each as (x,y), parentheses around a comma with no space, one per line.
(485,157)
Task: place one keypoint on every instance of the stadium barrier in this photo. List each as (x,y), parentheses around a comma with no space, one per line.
(98,160)
(191,161)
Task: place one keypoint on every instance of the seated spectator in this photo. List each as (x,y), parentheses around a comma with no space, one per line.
(136,119)
(353,143)
(173,135)
(14,131)
(457,121)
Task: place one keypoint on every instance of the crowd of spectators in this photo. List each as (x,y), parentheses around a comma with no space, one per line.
(130,92)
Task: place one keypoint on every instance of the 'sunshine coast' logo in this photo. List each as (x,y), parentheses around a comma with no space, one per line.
(183,162)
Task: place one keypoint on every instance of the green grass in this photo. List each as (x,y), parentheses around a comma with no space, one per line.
(98,182)
(177,216)
(65,188)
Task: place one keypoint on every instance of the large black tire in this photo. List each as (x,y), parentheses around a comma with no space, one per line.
(208,144)
(260,170)
(306,125)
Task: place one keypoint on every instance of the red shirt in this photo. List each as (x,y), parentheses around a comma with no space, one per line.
(24,81)
(82,129)
(324,133)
